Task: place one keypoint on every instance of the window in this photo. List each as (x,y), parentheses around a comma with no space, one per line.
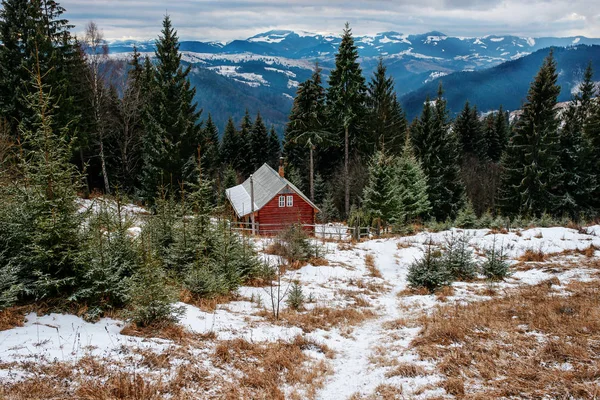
(290,201)
(281,201)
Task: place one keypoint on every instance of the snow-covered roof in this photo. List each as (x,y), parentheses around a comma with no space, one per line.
(267,184)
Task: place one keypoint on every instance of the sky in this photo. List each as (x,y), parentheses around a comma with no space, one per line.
(226,20)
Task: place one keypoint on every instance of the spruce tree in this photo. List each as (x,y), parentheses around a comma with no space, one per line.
(171,120)
(346,100)
(494,150)
(386,118)
(245,165)
(41,225)
(258,142)
(592,136)
(577,180)
(470,133)
(34,34)
(211,161)
(307,121)
(436,146)
(273,149)
(230,149)
(531,163)
(412,199)
(379,196)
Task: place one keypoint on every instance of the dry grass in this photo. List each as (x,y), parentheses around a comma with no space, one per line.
(102,379)
(209,304)
(174,332)
(516,346)
(381,392)
(324,318)
(265,368)
(318,262)
(443,293)
(371,267)
(531,255)
(12,317)
(406,370)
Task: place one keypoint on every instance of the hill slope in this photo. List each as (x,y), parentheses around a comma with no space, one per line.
(507,83)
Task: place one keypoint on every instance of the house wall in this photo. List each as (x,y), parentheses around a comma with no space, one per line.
(272,218)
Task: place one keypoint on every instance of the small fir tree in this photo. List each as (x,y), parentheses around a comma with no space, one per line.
(295,298)
(495,267)
(429,272)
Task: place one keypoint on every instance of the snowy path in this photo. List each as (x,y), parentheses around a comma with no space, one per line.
(353,371)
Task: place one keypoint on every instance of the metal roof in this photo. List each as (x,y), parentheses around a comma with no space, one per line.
(267,184)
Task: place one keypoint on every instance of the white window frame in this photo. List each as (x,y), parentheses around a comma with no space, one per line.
(281,201)
(289,201)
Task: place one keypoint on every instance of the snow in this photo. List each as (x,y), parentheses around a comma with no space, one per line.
(435,75)
(248,78)
(499,39)
(281,71)
(530,41)
(576,40)
(68,338)
(59,337)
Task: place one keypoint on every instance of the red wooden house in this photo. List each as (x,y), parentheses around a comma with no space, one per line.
(274,202)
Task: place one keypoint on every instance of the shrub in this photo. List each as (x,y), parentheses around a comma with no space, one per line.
(295,244)
(204,281)
(458,257)
(109,259)
(151,297)
(495,267)
(295,299)
(466,217)
(429,272)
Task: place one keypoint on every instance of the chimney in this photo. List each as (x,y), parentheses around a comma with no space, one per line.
(281,172)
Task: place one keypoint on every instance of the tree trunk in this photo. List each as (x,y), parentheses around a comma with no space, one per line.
(346,173)
(104,172)
(312,172)
(84,172)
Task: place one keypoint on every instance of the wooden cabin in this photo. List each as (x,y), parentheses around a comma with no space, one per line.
(276,204)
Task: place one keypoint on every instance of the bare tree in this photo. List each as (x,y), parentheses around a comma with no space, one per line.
(96,51)
(276,290)
(129,138)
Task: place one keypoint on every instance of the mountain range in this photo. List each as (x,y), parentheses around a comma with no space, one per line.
(262,73)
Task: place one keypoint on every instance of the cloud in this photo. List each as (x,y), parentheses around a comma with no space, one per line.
(226,20)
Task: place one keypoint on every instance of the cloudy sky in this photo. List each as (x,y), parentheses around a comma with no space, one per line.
(225,20)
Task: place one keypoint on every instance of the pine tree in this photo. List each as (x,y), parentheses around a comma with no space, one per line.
(470,134)
(412,199)
(531,161)
(379,196)
(307,121)
(436,147)
(489,132)
(592,136)
(230,149)
(211,160)
(41,225)
(502,130)
(258,142)
(34,34)
(577,180)
(273,149)
(171,120)
(386,120)
(245,166)
(346,99)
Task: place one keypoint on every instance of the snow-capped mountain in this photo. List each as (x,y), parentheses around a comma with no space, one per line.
(264,70)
